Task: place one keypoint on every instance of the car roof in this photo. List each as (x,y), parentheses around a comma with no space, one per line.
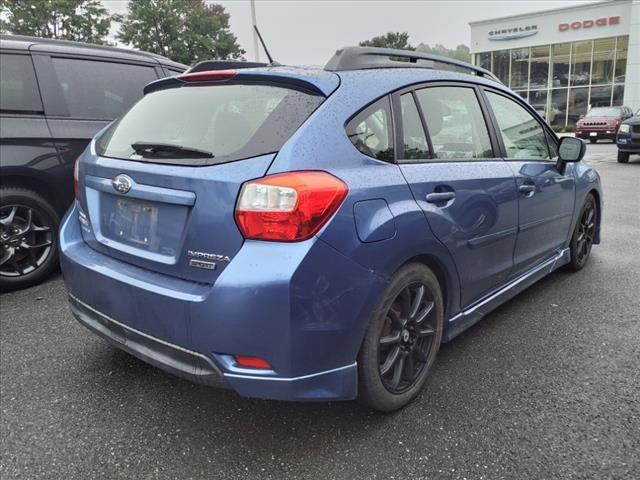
(378,82)
(22,42)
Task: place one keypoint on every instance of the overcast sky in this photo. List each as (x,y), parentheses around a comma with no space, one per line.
(308,32)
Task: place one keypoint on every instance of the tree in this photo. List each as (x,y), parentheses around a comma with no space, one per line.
(461,52)
(186,31)
(80,20)
(398,40)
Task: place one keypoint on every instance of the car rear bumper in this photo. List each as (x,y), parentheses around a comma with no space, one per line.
(302,307)
(171,358)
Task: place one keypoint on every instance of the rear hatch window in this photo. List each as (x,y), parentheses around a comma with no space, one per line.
(208,124)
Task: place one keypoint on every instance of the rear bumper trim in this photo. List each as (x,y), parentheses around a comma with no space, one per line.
(171,358)
(292,379)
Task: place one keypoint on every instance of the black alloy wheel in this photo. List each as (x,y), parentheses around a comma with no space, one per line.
(584,233)
(28,238)
(402,339)
(406,338)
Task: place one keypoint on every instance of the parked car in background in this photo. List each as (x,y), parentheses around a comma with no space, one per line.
(602,123)
(628,138)
(314,234)
(54,97)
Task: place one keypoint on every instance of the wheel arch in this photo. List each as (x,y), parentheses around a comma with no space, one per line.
(29,182)
(598,198)
(439,270)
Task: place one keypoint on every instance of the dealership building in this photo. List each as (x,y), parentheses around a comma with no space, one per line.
(566,60)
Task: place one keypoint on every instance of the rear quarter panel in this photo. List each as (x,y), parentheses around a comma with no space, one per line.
(322,144)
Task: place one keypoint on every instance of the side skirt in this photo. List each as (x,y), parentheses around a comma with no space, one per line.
(465,319)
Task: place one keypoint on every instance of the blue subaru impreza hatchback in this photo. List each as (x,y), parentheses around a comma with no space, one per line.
(315,234)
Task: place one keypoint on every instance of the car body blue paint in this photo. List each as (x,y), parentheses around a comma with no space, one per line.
(374,220)
(304,307)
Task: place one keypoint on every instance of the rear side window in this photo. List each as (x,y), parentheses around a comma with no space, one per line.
(522,134)
(100,90)
(225,122)
(18,86)
(371,133)
(414,140)
(455,123)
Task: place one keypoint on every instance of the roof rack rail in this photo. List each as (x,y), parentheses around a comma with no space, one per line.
(361,58)
(207,65)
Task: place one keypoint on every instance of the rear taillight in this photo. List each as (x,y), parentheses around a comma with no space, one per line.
(288,207)
(76,168)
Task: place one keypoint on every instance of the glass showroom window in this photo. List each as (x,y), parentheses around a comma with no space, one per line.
(618,95)
(600,96)
(561,54)
(603,57)
(538,100)
(484,60)
(519,68)
(501,65)
(621,59)
(523,94)
(581,63)
(539,67)
(578,104)
(559,102)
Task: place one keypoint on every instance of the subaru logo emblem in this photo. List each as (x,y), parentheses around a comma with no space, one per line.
(122,183)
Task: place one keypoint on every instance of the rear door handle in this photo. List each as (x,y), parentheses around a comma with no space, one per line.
(527,188)
(440,197)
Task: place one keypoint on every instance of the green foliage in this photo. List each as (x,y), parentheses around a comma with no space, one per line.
(80,20)
(185,31)
(398,40)
(461,52)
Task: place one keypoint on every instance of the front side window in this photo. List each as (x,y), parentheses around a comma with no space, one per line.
(415,144)
(18,87)
(100,90)
(523,136)
(455,123)
(370,131)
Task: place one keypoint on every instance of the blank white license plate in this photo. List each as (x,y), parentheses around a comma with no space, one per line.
(135,222)
(594,134)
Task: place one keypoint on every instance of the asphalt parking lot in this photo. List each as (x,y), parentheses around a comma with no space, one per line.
(547,386)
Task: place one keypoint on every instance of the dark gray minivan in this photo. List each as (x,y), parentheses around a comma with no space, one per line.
(54,97)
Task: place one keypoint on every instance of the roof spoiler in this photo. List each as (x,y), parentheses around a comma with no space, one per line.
(361,58)
(207,65)
(291,79)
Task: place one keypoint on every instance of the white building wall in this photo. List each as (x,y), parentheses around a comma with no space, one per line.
(548,22)
(632,75)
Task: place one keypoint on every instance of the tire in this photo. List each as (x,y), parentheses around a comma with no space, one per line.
(583,234)
(29,257)
(593,140)
(623,157)
(417,341)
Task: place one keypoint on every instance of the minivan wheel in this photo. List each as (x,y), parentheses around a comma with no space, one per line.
(28,238)
(583,234)
(623,157)
(402,339)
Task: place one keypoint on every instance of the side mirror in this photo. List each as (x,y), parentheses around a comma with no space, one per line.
(570,149)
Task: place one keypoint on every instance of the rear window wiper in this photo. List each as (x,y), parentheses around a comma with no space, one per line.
(168,150)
